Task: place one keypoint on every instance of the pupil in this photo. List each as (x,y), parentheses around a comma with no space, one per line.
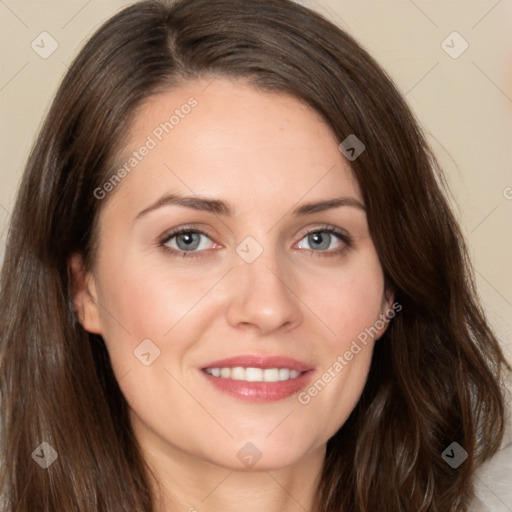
(187,241)
(321,240)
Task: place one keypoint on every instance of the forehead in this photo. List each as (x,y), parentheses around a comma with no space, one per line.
(228,139)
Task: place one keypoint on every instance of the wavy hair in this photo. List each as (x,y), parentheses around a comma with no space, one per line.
(436,374)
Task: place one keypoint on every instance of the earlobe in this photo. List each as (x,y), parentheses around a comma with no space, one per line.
(389,298)
(387,307)
(83,295)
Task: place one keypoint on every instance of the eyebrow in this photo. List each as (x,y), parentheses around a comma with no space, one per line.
(218,207)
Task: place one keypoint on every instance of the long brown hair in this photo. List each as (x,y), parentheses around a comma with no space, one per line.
(436,373)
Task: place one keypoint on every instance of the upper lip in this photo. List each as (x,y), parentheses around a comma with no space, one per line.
(259,361)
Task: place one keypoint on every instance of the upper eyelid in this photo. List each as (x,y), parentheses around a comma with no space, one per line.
(341,233)
(167,235)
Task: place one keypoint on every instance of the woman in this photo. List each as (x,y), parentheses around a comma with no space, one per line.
(233,281)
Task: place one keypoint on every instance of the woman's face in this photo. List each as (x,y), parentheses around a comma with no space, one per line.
(274,274)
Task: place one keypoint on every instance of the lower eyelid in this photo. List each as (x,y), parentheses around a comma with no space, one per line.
(342,237)
(175,235)
(345,239)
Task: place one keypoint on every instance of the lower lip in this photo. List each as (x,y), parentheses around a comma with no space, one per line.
(260,391)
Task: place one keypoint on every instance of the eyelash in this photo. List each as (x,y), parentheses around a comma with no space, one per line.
(341,235)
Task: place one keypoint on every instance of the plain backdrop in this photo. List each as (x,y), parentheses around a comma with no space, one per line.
(451,59)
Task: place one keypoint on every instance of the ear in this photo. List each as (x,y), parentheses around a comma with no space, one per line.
(388,299)
(83,294)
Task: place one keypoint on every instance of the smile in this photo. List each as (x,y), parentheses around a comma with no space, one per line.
(250,374)
(258,378)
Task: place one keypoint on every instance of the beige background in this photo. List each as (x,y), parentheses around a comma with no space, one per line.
(464,103)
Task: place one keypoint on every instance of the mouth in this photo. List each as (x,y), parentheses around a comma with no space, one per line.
(258,378)
(252,374)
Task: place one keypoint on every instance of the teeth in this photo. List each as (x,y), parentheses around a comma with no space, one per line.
(254,374)
(271,375)
(237,373)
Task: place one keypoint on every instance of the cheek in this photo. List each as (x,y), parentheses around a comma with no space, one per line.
(351,306)
(349,301)
(151,301)
(360,305)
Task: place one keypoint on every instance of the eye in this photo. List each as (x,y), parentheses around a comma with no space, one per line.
(328,240)
(190,243)
(186,240)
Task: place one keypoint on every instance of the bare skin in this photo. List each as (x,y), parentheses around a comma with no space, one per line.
(306,297)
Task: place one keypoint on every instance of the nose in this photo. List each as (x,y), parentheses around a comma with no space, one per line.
(262,297)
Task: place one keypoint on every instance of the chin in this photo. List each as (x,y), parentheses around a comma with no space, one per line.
(260,454)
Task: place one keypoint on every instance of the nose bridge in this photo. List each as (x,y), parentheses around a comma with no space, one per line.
(261,292)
